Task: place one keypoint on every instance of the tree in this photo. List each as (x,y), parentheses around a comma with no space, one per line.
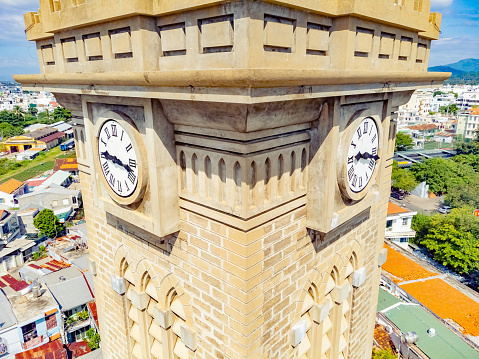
(421,224)
(464,194)
(48,224)
(8,130)
(61,114)
(33,111)
(45,118)
(437,93)
(382,354)
(452,109)
(466,148)
(402,178)
(92,339)
(403,142)
(452,247)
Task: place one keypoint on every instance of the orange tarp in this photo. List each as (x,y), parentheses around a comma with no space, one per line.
(404,268)
(447,302)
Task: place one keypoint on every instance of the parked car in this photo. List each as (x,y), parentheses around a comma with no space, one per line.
(445,209)
(398,195)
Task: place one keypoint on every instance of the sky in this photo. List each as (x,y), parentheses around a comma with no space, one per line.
(459,35)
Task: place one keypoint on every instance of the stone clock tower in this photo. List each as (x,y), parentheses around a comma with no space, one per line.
(235,164)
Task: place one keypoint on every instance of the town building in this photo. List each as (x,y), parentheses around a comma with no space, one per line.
(444,137)
(398,225)
(26,217)
(9,227)
(64,127)
(10,191)
(468,124)
(36,313)
(45,138)
(417,334)
(72,293)
(66,164)
(214,141)
(55,197)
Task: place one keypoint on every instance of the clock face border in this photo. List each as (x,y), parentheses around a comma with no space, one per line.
(342,158)
(129,127)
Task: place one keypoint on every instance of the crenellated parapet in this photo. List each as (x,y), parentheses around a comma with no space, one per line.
(87,36)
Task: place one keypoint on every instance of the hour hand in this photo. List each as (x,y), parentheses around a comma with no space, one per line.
(358,156)
(106,155)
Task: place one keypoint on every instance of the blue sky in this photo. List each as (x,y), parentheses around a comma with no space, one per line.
(459,38)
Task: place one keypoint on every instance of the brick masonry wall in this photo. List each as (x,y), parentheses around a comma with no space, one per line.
(243,288)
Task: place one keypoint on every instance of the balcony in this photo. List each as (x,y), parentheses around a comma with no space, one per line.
(12,234)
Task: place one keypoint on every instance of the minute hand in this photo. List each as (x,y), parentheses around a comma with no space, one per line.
(366,156)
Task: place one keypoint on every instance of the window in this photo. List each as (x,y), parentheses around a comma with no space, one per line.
(51,321)
(389,223)
(55,203)
(2,200)
(80,333)
(74,200)
(405,221)
(403,240)
(65,201)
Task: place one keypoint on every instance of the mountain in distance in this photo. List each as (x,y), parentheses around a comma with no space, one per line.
(463,72)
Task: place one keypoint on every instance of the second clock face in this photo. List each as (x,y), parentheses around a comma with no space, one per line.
(118,158)
(362,155)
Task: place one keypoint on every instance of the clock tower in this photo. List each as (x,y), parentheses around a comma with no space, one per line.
(235,161)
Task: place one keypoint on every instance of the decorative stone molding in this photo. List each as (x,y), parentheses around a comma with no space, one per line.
(298,333)
(139,300)
(320,312)
(341,293)
(118,284)
(188,337)
(359,277)
(382,257)
(164,318)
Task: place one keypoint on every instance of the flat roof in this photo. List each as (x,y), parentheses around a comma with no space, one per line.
(27,308)
(386,300)
(447,302)
(445,344)
(16,244)
(402,268)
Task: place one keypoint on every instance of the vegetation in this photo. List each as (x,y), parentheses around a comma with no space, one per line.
(42,252)
(452,239)
(382,354)
(403,142)
(403,179)
(48,224)
(452,109)
(93,339)
(83,315)
(23,170)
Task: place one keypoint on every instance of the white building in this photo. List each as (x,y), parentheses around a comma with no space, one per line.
(9,191)
(444,137)
(466,100)
(468,124)
(398,225)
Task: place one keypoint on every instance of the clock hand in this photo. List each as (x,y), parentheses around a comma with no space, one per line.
(358,156)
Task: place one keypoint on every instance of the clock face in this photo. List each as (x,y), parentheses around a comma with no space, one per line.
(118,158)
(362,155)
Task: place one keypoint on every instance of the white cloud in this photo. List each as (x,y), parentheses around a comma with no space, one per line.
(23,4)
(448,50)
(438,4)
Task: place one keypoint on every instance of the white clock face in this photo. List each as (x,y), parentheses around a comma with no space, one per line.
(118,158)
(362,155)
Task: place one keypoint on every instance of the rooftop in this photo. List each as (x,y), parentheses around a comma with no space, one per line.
(26,307)
(69,287)
(402,268)
(57,177)
(66,247)
(445,344)
(426,127)
(52,137)
(10,186)
(70,163)
(51,350)
(386,300)
(395,209)
(19,243)
(447,302)
(7,317)
(42,133)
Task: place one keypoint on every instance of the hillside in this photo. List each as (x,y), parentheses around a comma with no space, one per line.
(464,72)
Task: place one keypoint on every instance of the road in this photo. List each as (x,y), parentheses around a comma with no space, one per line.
(420,205)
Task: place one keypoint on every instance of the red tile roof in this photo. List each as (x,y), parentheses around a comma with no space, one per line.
(395,209)
(426,127)
(78,348)
(52,137)
(10,186)
(65,164)
(51,350)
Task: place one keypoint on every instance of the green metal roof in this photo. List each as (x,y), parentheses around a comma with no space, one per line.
(386,300)
(444,345)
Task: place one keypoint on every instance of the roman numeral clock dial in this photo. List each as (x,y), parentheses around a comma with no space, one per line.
(118,158)
(362,155)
